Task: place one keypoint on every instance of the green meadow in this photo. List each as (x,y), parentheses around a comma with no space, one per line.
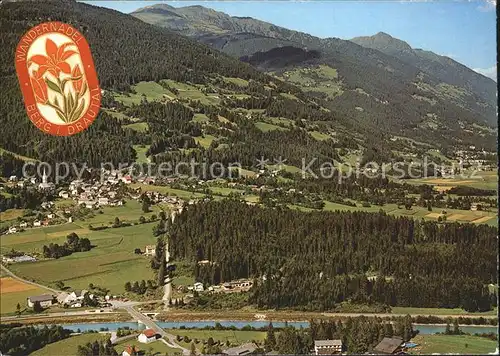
(452,344)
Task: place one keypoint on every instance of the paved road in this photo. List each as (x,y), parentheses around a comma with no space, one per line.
(7,271)
(152,325)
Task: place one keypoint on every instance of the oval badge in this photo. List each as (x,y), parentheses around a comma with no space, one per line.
(58,79)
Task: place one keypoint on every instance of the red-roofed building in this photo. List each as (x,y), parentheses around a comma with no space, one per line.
(146,336)
(130,351)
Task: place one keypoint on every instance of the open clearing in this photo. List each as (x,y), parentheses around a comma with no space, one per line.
(452,344)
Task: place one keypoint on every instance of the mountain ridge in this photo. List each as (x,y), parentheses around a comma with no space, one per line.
(243,38)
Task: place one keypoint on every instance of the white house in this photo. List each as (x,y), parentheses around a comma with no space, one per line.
(103,201)
(64,194)
(23,224)
(12,230)
(51,216)
(78,294)
(147,336)
(37,223)
(327,347)
(198,287)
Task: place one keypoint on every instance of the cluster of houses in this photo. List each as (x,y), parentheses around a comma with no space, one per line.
(93,195)
(239,285)
(72,300)
(145,337)
(43,185)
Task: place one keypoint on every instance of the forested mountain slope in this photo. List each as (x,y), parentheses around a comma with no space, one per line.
(126,51)
(438,95)
(444,68)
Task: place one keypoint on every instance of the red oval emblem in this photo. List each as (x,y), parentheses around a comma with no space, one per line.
(58,79)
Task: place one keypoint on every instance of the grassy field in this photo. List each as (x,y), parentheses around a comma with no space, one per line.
(109,264)
(11,214)
(452,344)
(200,118)
(205,141)
(187,91)
(141,153)
(157,347)
(481,180)
(69,346)
(153,92)
(235,337)
(437,311)
(482,217)
(138,126)
(237,81)
(319,135)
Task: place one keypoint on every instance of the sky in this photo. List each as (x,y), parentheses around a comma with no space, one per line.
(464,30)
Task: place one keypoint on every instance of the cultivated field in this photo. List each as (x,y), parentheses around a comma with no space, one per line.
(481,180)
(109,264)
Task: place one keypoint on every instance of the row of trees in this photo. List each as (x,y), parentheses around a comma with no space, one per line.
(358,335)
(73,244)
(20,341)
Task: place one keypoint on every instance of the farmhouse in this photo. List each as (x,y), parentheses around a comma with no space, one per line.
(389,346)
(244,349)
(198,287)
(45,300)
(37,223)
(23,224)
(147,336)
(327,347)
(242,284)
(12,230)
(150,250)
(78,294)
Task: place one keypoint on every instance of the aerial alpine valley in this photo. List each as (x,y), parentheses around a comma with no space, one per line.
(249,188)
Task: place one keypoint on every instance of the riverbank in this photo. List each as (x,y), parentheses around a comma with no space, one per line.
(291,316)
(48,319)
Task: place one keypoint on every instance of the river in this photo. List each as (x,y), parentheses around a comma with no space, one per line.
(424,329)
